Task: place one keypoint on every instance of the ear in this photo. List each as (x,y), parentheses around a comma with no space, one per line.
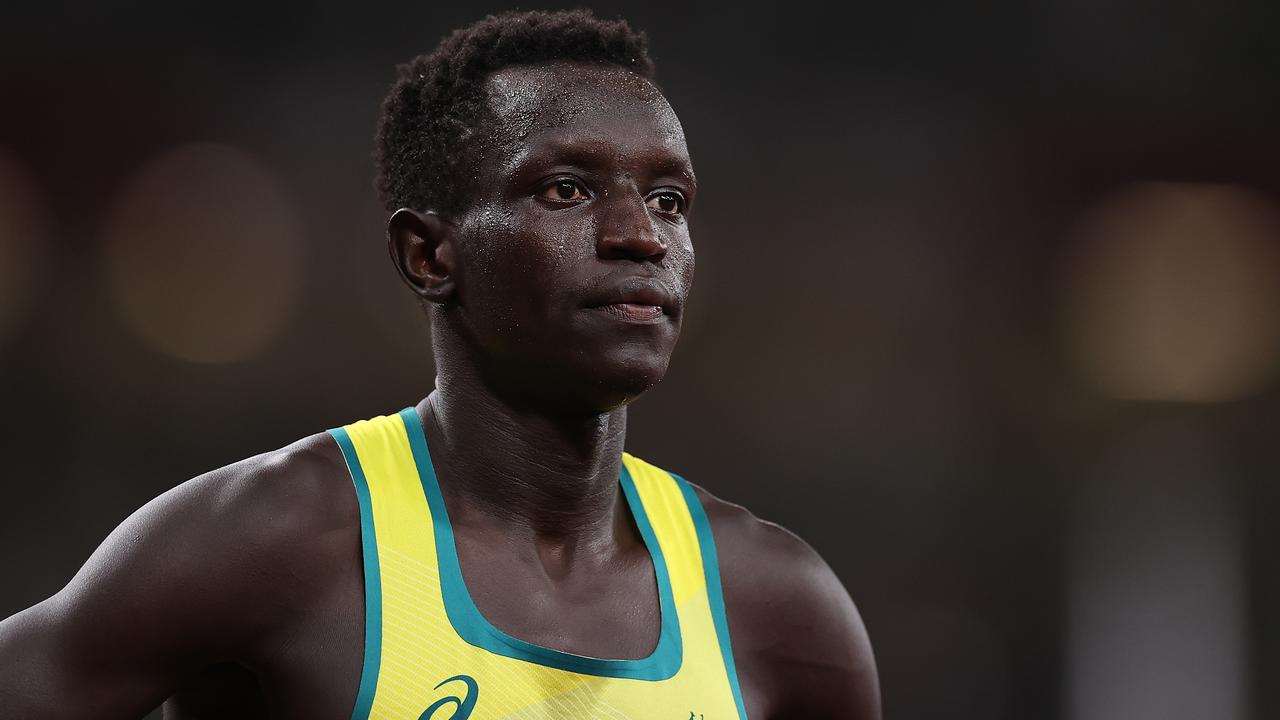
(422,249)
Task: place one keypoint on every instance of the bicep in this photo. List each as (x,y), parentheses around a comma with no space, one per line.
(134,621)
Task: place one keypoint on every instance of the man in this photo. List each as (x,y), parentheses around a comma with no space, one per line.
(490,552)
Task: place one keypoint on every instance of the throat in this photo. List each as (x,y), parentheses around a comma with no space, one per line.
(586,604)
(554,481)
(593,595)
(550,542)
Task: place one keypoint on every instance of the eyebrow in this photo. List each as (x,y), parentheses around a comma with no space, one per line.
(581,152)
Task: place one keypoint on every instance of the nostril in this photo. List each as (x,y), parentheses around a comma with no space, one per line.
(638,245)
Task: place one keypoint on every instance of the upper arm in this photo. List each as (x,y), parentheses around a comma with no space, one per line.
(171,590)
(824,653)
(798,639)
(114,638)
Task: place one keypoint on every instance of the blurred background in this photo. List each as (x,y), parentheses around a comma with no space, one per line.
(987,309)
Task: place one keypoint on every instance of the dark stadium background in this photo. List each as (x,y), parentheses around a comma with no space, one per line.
(987,309)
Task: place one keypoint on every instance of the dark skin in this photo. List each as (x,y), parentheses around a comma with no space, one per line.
(556,298)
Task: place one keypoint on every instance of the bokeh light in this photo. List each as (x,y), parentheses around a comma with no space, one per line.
(23,243)
(204,258)
(1171,293)
(1157,585)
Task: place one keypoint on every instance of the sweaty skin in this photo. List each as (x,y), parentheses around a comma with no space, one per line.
(556,298)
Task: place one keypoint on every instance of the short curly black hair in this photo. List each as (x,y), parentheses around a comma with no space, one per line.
(437,102)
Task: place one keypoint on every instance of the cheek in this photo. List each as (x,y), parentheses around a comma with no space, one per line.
(485,241)
(520,258)
(680,259)
(560,242)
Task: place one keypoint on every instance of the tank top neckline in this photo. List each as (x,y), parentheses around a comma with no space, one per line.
(467,621)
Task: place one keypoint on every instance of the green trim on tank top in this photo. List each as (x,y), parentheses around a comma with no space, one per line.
(663,663)
(715,594)
(372,580)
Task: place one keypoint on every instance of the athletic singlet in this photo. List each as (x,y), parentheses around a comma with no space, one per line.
(430,655)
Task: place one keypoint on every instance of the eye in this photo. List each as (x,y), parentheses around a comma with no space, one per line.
(564,190)
(667,202)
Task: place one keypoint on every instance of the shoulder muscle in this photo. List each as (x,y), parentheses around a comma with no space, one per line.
(797,635)
(179,584)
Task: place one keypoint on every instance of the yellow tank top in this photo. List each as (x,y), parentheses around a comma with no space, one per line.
(430,655)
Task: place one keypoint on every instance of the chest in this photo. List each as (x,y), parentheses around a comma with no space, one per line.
(590,606)
(311,665)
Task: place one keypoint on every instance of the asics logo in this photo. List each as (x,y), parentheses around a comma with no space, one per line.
(462,706)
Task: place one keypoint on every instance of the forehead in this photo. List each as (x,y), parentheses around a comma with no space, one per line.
(590,103)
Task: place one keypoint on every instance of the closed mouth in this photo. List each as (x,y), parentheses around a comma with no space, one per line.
(633,312)
(636,300)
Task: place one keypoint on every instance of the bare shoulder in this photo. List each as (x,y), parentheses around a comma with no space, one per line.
(742,536)
(269,502)
(199,575)
(281,529)
(778,570)
(239,540)
(799,641)
(294,496)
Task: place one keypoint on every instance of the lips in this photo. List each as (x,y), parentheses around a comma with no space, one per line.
(634,299)
(633,312)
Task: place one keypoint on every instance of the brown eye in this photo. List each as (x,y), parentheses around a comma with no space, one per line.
(564,191)
(667,202)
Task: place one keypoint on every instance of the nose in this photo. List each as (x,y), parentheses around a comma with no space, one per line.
(627,232)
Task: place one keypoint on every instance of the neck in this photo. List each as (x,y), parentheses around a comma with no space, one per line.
(550,476)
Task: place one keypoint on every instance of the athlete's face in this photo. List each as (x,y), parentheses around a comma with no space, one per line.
(573,255)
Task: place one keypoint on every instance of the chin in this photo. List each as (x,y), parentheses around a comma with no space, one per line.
(609,385)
